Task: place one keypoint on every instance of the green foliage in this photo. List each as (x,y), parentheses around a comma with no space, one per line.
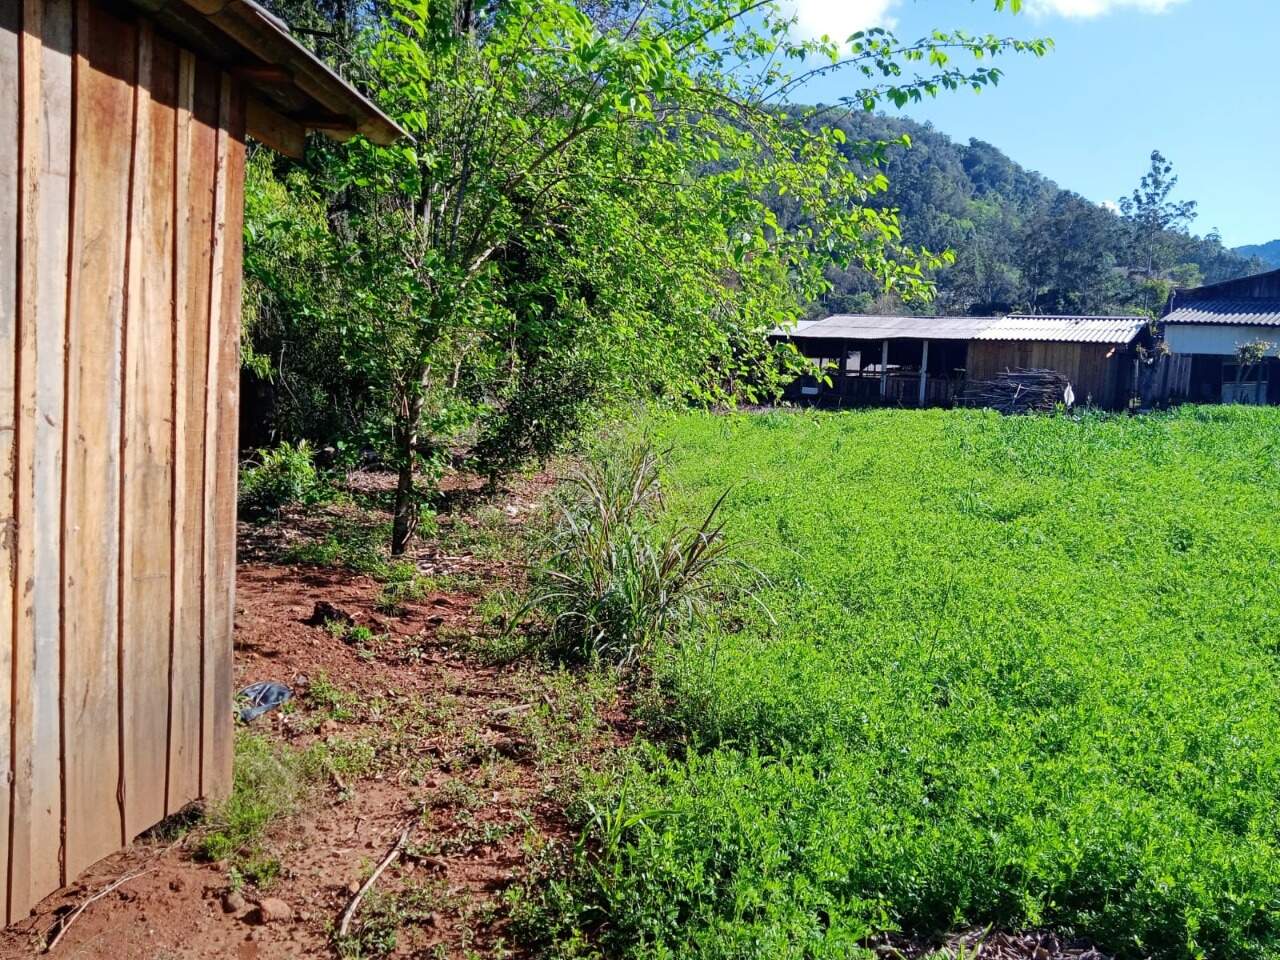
(1022,242)
(358,547)
(284,476)
(1253,352)
(581,218)
(1268,253)
(270,782)
(616,580)
(1024,672)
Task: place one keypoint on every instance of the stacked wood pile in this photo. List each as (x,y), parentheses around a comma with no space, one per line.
(1018,391)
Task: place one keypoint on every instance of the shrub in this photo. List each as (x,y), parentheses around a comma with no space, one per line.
(616,579)
(282,477)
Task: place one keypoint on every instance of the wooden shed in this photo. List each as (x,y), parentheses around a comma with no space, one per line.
(1095,353)
(1207,326)
(122,148)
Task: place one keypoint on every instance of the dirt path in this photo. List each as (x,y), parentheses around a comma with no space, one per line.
(402,720)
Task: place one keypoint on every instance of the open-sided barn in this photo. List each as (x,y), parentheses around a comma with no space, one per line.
(926,361)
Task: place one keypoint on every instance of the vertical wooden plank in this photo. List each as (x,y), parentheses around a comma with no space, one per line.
(53,223)
(148,438)
(10,28)
(924,373)
(197,161)
(215,763)
(46,146)
(222,621)
(104,70)
(182,775)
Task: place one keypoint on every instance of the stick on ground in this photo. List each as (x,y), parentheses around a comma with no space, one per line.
(65,925)
(392,855)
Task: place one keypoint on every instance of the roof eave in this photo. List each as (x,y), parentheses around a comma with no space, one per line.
(289,79)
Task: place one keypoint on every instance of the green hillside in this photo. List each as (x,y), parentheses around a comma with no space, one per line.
(1022,242)
(1268,252)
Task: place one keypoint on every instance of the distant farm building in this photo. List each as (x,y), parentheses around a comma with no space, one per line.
(122,161)
(1230,333)
(927,361)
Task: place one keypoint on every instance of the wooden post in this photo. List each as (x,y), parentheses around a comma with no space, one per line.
(924,372)
(844,370)
(884,369)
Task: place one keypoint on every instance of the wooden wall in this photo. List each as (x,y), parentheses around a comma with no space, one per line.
(121,180)
(1094,369)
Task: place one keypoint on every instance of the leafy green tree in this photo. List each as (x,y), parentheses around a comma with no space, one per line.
(1155,220)
(583,210)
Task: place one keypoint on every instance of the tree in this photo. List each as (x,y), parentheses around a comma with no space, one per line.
(583,207)
(591,209)
(1155,219)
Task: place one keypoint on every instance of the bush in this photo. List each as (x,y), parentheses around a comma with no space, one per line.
(283,477)
(616,579)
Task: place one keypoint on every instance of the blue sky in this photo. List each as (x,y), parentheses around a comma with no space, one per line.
(1194,78)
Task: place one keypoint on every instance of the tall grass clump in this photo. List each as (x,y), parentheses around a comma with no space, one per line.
(616,576)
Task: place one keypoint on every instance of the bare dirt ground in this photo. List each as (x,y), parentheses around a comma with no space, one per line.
(410,724)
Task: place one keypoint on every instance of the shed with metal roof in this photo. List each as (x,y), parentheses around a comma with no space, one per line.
(926,361)
(1216,326)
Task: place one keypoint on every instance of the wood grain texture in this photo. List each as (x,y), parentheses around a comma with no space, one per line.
(10,29)
(121,192)
(226,321)
(181,774)
(274,129)
(197,158)
(214,615)
(105,71)
(46,135)
(148,439)
(1092,373)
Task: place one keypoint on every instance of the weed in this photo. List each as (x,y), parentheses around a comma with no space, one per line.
(325,696)
(396,593)
(270,782)
(281,477)
(384,915)
(615,581)
(358,547)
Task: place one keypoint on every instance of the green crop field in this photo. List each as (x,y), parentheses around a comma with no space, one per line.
(1019,672)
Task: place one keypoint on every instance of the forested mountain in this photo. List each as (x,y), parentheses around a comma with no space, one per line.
(1269,253)
(1022,242)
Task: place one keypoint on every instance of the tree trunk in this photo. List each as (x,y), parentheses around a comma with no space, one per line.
(405,520)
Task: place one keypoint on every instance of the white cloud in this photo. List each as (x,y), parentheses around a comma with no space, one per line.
(1084,9)
(839,18)
(1110,205)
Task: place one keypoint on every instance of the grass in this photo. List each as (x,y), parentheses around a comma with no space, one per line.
(1019,672)
(270,782)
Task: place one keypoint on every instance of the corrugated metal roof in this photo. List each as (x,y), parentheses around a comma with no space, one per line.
(1016,327)
(1065,329)
(851,327)
(1257,313)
